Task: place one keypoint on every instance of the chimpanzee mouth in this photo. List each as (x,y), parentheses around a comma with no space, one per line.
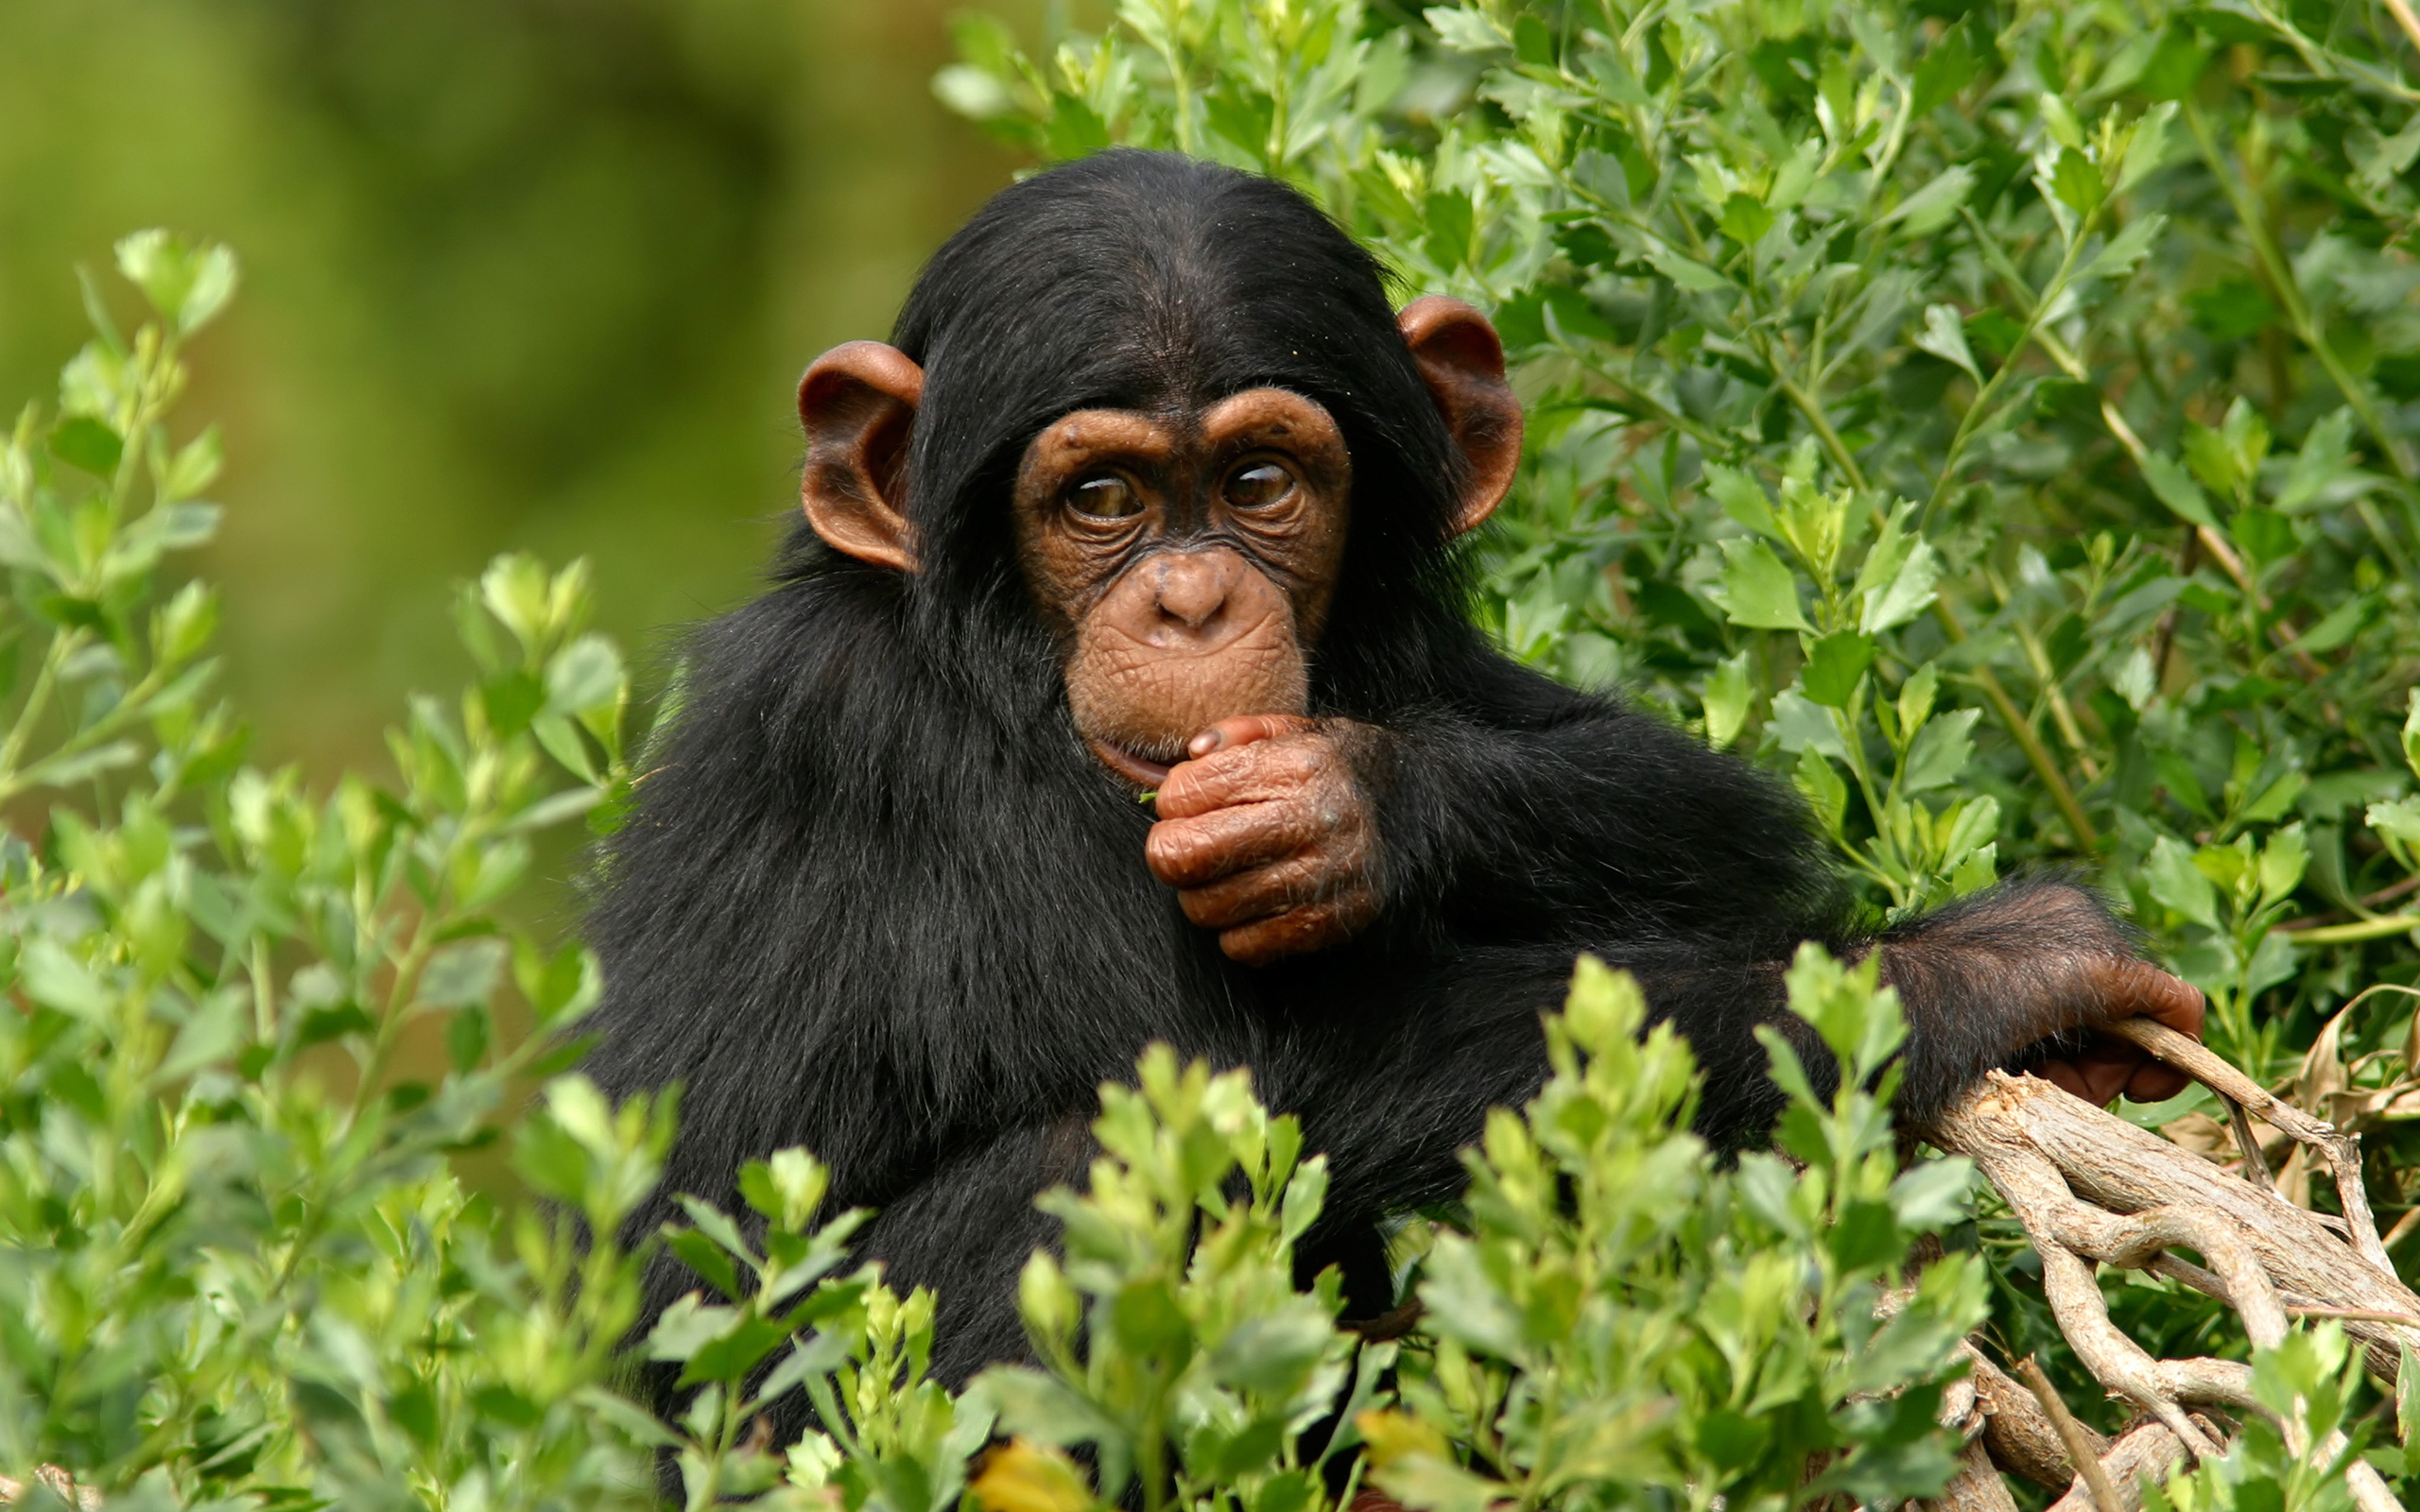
(1133,765)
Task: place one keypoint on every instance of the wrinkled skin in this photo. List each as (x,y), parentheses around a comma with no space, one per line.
(1264,834)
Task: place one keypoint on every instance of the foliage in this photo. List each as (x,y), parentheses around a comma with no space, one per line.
(252,1031)
(1621,1317)
(1997,416)
(1623,1313)
(236,1260)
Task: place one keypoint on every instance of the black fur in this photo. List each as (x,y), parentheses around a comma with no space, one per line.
(876,899)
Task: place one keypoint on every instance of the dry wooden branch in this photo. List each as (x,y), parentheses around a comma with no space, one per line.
(2081,1450)
(1976,1488)
(2020,1437)
(2144,1452)
(2090,1189)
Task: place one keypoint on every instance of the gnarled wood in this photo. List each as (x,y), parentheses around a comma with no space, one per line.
(2090,1189)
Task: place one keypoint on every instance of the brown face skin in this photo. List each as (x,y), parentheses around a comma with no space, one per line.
(1186,561)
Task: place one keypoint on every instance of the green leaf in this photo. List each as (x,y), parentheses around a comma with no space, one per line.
(1076,129)
(1451,220)
(1836,666)
(2175,67)
(1532,43)
(2265,535)
(1466,31)
(2146,147)
(585,675)
(1945,336)
(2129,247)
(1822,789)
(1932,206)
(466,1038)
(711,1262)
(1940,752)
(1800,725)
(1911,588)
(1745,220)
(1947,68)
(1727,696)
(187,282)
(463,973)
(1742,498)
(83,441)
(2326,456)
(2076,182)
(2060,121)
(2179,885)
(2176,489)
(1756,590)
(730,1356)
(1693,276)
(218,1028)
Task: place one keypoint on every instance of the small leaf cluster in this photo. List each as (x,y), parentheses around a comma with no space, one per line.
(250,1027)
(1173,1344)
(1625,1315)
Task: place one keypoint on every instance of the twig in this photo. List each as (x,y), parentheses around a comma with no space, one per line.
(2357,1314)
(2088,1466)
(2021,731)
(2404,18)
(2343,1152)
(2206,1066)
(2384,895)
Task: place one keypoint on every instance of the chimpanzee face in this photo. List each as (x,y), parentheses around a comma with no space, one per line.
(1185,561)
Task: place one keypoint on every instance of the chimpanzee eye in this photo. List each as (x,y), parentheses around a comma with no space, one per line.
(1258,485)
(1104,496)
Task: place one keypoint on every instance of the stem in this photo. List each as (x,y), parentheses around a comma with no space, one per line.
(129,709)
(2281,277)
(264,993)
(1629,392)
(37,698)
(2382,927)
(2062,713)
(390,1023)
(1969,422)
(2036,754)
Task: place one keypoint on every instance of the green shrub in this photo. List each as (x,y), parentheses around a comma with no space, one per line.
(1995,418)
(237,1267)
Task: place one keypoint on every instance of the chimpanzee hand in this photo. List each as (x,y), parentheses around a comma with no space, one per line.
(1267,837)
(2110,1066)
(1992,977)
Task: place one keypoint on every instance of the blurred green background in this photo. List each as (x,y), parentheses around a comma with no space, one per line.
(518,273)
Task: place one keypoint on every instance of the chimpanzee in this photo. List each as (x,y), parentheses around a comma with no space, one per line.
(1155,493)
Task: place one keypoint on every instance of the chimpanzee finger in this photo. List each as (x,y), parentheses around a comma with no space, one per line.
(2140,988)
(1194,852)
(1262,892)
(1266,770)
(2064,1077)
(2154,1082)
(1295,931)
(1242,730)
(2098,1082)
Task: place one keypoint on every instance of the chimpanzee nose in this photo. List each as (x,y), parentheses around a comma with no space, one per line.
(1195,586)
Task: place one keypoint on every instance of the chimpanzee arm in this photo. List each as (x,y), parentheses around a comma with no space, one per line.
(1601,829)
(1579,808)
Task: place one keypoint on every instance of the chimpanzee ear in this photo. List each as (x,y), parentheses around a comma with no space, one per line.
(857,403)
(1462,363)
